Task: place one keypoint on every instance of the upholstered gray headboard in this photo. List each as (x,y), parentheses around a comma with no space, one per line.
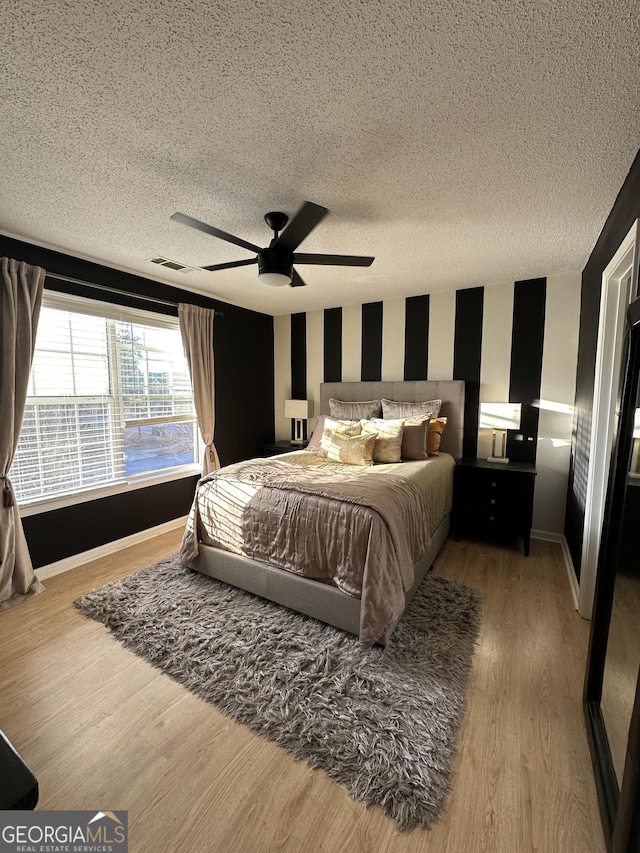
(451,392)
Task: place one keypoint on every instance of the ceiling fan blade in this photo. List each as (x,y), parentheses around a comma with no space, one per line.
(297,281)
(300,226)
(215,232)
(229,265)
(333,260)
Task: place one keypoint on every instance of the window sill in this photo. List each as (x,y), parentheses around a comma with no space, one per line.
(142,482)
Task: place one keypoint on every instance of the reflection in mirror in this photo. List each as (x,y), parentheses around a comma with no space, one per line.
(635,454)
(622,661)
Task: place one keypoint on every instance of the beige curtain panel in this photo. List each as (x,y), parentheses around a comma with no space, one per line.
(20,299)
(196,326)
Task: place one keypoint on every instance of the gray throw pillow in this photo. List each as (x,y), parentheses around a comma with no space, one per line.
(392,409)
(355,411)
(414,438)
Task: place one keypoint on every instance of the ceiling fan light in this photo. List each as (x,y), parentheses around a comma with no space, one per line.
(274,279)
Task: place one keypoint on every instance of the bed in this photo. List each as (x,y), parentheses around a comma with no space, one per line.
(309,506)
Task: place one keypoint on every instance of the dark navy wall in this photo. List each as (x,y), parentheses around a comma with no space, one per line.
(467,359)
(416,338)
(243,342)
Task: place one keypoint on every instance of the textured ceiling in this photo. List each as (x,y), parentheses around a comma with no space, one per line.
(460,143)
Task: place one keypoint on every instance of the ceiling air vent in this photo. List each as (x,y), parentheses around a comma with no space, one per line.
(172,265)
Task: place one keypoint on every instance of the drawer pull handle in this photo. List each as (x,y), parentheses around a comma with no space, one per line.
(493,500)
(493,485)
(491,518)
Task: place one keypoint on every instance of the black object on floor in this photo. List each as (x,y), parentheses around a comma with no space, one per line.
(18,785)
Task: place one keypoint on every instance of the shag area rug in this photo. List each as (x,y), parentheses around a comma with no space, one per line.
(383,723)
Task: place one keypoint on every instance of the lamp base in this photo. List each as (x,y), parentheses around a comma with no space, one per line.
(502,459)
(298,433)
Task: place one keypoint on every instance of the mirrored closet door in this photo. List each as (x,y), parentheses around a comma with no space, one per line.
(612,699)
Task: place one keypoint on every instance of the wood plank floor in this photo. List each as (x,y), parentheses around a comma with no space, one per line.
(103,730)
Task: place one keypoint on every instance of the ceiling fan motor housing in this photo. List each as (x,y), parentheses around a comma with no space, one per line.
(273,261)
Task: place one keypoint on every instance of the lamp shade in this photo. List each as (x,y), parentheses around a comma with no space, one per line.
(500,415)
(297,409)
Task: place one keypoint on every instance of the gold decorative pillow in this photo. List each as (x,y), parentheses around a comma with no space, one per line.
(434,434)
(388,446)
(355,411)
(351,449)
(347,427)
(392,409)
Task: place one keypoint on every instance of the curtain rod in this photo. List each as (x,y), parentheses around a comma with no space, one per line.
(117,290)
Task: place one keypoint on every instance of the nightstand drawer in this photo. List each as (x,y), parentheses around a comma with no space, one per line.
(487,517)
(489,488)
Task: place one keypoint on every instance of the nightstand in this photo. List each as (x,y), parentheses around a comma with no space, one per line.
(284,446)
(494,497)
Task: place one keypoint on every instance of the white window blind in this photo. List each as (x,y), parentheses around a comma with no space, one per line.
(109,400)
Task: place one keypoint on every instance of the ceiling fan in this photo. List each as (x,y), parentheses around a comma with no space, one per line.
(275,261)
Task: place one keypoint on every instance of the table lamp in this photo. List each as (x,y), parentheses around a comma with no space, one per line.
(298,411)
(499,417)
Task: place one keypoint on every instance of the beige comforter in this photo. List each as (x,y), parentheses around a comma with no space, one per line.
(361,529)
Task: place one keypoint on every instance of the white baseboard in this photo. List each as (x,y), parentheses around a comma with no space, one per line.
(547,536)
(568,562)
(108,548)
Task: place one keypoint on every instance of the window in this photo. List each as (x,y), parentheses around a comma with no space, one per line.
(109,401)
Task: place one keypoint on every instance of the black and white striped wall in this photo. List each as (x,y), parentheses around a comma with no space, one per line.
(517,341)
